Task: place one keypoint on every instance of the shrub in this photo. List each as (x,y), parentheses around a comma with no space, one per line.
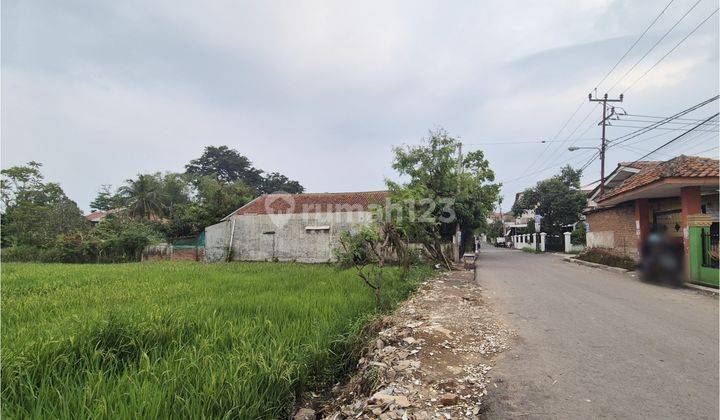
(605,257)
(577,237)
(21,253)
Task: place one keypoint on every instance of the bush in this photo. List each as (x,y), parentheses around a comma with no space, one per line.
(21,253)
(577,237)
(605,257)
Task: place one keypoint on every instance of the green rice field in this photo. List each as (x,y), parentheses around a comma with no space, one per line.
(179,339)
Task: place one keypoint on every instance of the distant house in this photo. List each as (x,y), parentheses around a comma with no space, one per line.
(98,216)
(290,227)
(678,197)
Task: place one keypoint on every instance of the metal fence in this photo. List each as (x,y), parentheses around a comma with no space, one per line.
(709,242)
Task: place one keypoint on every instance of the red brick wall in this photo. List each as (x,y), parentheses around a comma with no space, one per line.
(621,221)
(187,254)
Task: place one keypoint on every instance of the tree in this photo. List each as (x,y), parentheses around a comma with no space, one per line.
(446,191)
(227,165)
(35,212)
(365,250)
(275,182)
(144,196)
(496,229)
(558,200)
(106,199)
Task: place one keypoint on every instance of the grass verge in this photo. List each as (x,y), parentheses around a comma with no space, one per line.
(179,340)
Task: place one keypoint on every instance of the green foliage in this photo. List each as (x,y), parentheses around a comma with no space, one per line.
(144,196)
(276,182)
(35,212)
(578,235)
(605,257)
(226,165)
(106,199)
(179,340)
(530,228)
(495,230)
(558,200)
(442,191)
(365,250)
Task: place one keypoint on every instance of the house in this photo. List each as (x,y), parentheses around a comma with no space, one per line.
(98,216)
(678,197)
(290,227)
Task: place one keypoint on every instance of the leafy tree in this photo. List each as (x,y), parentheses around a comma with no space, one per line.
(144,196)
(496,229)
(558,200)
(275,182)
(175,191)
(106,199)
(35,212)
(227,165)
(579,234)
(445,191)
(365,250)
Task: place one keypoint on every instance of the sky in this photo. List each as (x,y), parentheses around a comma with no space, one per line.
(321,91)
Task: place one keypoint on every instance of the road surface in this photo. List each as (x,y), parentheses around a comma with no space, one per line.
(598,344)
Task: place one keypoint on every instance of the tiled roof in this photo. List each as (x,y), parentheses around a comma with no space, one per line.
(313,202)
(678,167)
(99,215)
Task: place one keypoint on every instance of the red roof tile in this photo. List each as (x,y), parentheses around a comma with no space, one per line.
(313,202)
(678,167)
(99,215)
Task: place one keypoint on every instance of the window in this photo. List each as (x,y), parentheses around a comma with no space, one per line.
(317,229)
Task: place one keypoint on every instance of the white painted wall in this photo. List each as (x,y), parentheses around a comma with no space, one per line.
(291,240)
(602,239)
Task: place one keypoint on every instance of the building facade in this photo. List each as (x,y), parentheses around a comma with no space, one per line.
(290,227)
(678,198)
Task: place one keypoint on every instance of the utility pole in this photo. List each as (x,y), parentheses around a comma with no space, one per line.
(458,233)
(604,101)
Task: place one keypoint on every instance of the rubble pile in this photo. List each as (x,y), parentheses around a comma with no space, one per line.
(430,360)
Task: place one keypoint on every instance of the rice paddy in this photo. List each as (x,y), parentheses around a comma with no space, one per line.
(179,339)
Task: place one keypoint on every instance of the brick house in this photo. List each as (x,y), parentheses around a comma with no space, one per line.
(670,197)
(290,227)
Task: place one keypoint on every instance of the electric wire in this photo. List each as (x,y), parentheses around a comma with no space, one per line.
(654,46)
(671,50)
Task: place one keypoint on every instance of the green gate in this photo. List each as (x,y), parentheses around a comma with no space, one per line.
(703,250)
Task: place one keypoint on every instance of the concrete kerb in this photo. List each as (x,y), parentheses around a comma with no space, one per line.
(710,291)
(596,265)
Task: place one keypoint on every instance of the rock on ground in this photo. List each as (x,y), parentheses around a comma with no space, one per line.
(430,360)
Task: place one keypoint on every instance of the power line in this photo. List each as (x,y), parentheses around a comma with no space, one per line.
(537,159)
(634,44)
(671,50)
(654,45)
(678,137)
(636,120)
(559,155)
(662,118)
(660,128)
(652,126)
(707,150)
(520,142)
(543,170)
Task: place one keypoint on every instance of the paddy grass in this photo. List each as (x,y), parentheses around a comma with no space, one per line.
(180,339)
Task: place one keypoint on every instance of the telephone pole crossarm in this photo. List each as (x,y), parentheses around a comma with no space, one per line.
(604,101)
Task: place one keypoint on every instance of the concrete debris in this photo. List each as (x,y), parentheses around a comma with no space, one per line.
(304,414)
(430,359)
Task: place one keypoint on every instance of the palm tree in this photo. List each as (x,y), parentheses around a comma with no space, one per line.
(144,196)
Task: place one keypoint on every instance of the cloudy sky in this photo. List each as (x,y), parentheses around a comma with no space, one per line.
(321,91)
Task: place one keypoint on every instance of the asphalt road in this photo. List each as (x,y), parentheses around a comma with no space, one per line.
(598,344)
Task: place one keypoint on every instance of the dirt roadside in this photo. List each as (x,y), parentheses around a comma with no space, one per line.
(430,359)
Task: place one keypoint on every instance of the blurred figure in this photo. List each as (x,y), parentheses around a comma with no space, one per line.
(662,260)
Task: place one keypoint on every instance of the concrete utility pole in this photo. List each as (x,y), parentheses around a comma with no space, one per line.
(604,101)
(458,233)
